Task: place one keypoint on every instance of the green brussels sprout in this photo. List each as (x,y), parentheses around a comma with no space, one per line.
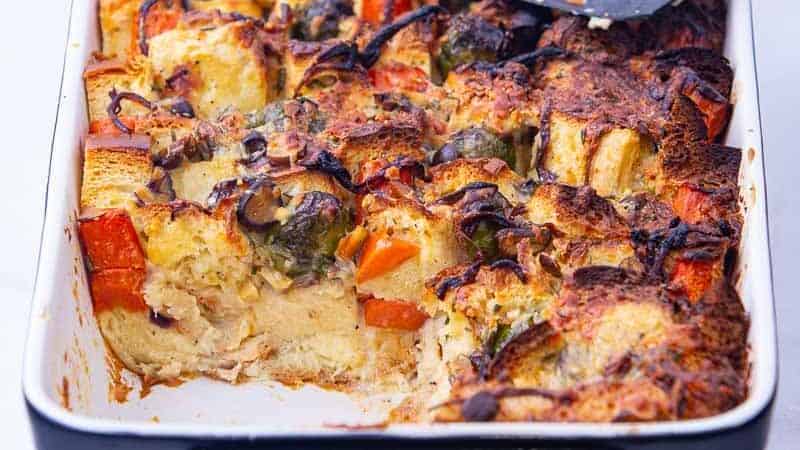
(320,20)
(306,243)
(470,38)
(481,143)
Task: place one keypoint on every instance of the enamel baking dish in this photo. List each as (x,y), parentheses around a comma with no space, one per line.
(67,375)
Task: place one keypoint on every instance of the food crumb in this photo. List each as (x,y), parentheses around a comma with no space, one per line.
(599,23)
(64,392)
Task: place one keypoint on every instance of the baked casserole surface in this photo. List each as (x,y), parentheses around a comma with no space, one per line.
(500,211)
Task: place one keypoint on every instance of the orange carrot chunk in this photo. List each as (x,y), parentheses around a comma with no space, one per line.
(393,314)
(111,241)
(350,244)
(117,288)
(694,277)
(382,253)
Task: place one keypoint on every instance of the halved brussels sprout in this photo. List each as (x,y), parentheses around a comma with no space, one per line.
(475,143)
(306,243)
(320,20)
(471,38)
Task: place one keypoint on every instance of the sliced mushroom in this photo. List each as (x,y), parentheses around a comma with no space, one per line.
(513,266)
(481,407)
(254,142)
(221,191)
(549,265)
(288,149)
(369,56)
(182,108)
(258,206)
(531,58)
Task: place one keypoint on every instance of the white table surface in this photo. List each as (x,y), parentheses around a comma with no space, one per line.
(32,41)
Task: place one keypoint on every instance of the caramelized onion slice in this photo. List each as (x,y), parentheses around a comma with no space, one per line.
(324,161)
(372,51)
(115,107)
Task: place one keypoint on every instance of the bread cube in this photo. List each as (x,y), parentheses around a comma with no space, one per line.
(117,24)
(453,175)
(499,99)
(194,181)
(223,60)
(566,155)
(577,212)
(104,76)
(114,167)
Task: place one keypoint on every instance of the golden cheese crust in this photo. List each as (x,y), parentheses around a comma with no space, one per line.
(497,211)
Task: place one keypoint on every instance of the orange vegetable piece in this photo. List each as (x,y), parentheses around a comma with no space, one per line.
(694,276)
(351,243)
(715,114)
(374,11)
(162,17)
(383,253)
(117,288)
(690,204)
(398,76)
(393,314)
(111,242)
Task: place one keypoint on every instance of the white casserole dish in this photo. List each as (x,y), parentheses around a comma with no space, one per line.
(66,376)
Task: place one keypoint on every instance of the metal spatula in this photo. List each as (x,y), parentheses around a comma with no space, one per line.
(611,9)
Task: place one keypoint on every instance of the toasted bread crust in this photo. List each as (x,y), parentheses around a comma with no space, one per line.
(113,168)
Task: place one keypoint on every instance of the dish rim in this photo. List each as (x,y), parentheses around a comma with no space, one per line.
(763,341)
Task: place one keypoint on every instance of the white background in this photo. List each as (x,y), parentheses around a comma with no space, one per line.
(32,39)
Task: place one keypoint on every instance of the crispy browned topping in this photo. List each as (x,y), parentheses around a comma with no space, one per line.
(552,299)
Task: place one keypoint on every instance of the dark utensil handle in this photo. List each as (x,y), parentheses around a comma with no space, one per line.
(612,9)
